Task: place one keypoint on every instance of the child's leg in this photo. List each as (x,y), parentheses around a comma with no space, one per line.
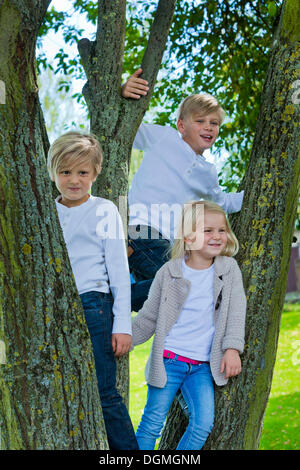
(149,251)
(198,392)
(99,317)
(147,254)
(158,403)
(139,293)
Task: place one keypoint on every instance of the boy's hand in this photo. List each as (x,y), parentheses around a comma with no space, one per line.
(121,343)
(135,87)
(231,363)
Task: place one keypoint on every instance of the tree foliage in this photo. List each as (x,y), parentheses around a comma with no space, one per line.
(49,397)
(264,228)
(40,309)
(222,48)
(218,47)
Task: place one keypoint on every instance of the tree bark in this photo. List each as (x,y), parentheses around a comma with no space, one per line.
(115,120)
(264,228)
(48,388)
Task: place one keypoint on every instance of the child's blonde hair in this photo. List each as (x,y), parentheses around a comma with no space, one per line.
(201,104)
(74,148)
(191,217)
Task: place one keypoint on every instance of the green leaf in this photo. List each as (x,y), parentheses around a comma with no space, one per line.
(272,8)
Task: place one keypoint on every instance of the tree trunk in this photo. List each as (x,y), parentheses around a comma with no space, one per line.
(115,120)
(264,228)
(48,388)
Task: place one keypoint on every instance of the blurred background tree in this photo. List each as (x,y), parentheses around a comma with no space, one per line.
(218,47)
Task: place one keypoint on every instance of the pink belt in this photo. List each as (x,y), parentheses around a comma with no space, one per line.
(171,355)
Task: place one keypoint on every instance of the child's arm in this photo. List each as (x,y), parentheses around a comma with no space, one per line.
(121,343)
(116,262)
(147,134)
(231,363)
(235,326)
(233,341)
(144,324)
(135,87)
(230,202)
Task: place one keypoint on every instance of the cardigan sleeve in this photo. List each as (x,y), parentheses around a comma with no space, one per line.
(235,327)
(144,324)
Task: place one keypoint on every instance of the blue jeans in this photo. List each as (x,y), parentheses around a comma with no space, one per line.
(149,251)
(139,293)
(99,318)
(149,254)
(196,385)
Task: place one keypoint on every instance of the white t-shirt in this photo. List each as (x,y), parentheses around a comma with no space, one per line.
(193,332)
(171,174)
(94,237)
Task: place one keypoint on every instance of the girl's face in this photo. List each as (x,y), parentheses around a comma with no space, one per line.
(210,240)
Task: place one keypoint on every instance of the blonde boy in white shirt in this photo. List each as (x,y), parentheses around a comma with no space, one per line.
(173,171)
(99,263)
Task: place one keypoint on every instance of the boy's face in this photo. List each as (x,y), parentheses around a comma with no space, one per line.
(74,183)
(200,132)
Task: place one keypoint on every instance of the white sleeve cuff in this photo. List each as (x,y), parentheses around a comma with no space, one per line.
(122,325)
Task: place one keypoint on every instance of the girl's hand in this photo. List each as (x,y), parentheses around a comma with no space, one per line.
(121,343)
(135,87)
(231,363)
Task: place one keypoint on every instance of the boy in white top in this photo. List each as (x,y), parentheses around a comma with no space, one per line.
(94,238)
(173,171)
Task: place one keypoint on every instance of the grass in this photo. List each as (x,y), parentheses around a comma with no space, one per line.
(138,387)
(281,424)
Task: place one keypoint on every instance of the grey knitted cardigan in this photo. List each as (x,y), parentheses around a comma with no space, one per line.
(165,300)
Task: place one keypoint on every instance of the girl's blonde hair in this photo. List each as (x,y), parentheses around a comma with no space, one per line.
(74,148)
(201,104)
(191,217)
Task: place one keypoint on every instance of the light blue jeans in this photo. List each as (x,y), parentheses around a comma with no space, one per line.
(197,388)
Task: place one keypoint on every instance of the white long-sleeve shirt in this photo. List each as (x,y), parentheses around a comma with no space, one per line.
(171,174)
(94,237)
(192,334)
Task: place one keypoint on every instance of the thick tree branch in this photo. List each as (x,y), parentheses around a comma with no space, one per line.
(103,59)
(38,9)
(85,47)
(110,37)
(288,30)
(155,48)
(264,228)
(49,399)
(44,4)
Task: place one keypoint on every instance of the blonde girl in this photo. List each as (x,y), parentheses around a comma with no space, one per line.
(196,311)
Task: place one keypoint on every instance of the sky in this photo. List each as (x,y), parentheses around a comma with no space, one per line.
(51,45)
(54,41)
